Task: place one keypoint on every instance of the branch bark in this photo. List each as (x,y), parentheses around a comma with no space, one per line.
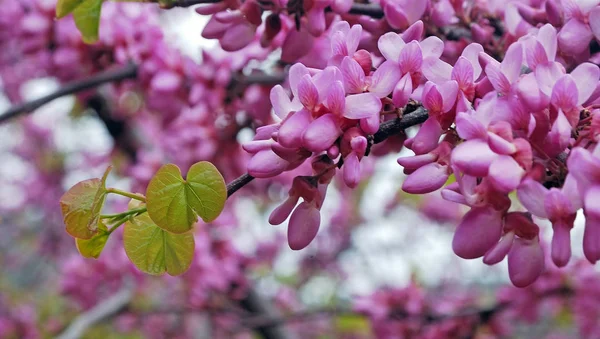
(127,72)
(104,309)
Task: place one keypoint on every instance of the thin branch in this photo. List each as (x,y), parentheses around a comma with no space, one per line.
(373,10)
(238,183)
(393,127)
(129,71)
(104,309)
(254,304)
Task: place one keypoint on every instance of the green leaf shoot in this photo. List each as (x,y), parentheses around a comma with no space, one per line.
(174,204)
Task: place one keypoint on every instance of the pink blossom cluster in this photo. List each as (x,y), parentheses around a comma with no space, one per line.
(496,127)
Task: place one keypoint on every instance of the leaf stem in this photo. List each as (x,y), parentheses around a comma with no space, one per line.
(127,194)
(138,210)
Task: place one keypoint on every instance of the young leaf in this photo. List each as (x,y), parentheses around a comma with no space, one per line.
(174,204)
(91,248)
(64,7)
(87,19)
(155,251)
(81,206)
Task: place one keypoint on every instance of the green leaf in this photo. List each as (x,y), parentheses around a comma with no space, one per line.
(352,323)
(64,7)
(175,204)
(155,251)
(91,248)
(81,206)
(87,19)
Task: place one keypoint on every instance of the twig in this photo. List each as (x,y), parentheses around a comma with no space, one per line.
(392,127)
(238,183)
(254,304)
(372,10)
(129,71)
(104,309)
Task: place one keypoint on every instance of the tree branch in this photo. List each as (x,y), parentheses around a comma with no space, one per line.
(254,304)
(372,10)
(392,127)
(238,183)
(104,309)
(129,71)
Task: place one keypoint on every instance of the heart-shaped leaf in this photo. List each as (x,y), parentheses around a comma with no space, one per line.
(174,204)
(86,14)
(87,19)
(91,248)
(64,7)
(81,206)
(155,251)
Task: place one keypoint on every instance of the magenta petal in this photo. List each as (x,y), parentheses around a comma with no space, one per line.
(513,60)
(525,262)
(384,79)
(586,78)
(426,179)
(166,81)
(557,205)
(594,20)
(473,157)
(561,244)
(280,101)
(574,37)
(532,194)
(402,91)
(303,226)
(547,36)
(364,105)
(296,45)
(564,93)
(307,92)
(411,58)
(390,44)
(505,174)
(292,129)
(416,161)
(547,75)
(500,82)
(354,76)
(432,98)
(296,73)
(477,233)
(282,211)
(427,137)
(558,138)
(500,145)
(448,90)
(351,170)
(238,36)
(325,78)
(536,55)
(436,70)
(321,133)
(336,98)
(266,164)
(530,94)
(414,32)
(468,127)
(395,16)
(353,38)
(497,253)
(463,72)
(214,29)
(591,239)
(370,125)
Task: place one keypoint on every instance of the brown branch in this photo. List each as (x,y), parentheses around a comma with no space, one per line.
(129,71)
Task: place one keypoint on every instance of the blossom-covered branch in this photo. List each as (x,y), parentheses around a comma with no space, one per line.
(129,71)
